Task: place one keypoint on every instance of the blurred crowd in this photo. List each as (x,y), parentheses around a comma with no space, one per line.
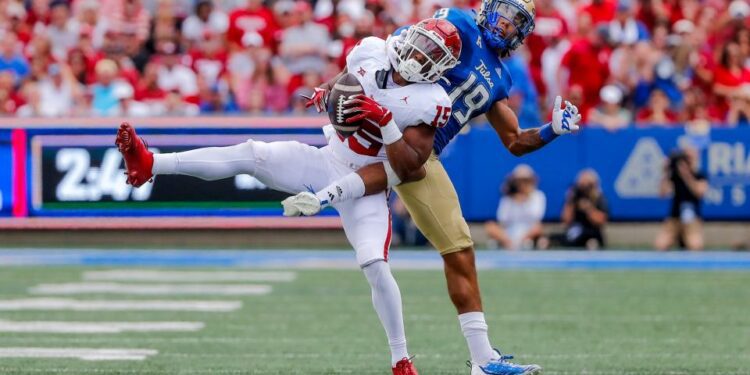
(623,62)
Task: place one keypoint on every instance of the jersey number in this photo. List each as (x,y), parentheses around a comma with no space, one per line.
(442,115)
(474,98)
(366,140)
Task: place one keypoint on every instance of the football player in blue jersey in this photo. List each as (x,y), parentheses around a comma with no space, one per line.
(479,84)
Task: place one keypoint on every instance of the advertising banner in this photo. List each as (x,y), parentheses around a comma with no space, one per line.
(83,174)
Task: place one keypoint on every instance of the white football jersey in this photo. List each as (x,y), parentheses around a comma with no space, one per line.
(410,105)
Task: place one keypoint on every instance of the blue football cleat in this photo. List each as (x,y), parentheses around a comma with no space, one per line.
(502,366)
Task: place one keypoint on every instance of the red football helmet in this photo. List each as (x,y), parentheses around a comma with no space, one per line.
(430,48)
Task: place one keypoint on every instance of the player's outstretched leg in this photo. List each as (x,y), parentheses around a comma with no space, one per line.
(285,165)
(463,288)
(138,159)
(386,298)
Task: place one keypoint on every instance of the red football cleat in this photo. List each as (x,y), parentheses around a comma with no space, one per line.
(405,367)
(138,159)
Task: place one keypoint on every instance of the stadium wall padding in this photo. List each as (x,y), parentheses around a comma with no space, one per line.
(70,171)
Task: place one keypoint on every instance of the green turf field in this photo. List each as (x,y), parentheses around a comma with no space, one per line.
(570,322)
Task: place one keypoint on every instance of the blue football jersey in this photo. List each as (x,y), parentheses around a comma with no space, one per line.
(479,80)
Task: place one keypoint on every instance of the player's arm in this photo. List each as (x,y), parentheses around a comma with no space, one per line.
(415,146)
(405,158)
(409,153)
(520,142)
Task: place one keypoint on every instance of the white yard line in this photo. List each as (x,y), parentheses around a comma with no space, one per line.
(151,289)
(45,304)
(188,276)
(86,354)
(97,327)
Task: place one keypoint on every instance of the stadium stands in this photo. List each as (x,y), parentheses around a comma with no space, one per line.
(647,63)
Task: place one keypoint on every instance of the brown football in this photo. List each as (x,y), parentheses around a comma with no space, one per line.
(346,86)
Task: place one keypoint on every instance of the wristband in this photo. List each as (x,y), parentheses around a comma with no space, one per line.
(390,133)
(547,133)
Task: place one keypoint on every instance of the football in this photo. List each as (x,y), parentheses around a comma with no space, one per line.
(346,86)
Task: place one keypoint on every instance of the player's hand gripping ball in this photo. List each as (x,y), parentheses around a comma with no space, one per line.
(346,86)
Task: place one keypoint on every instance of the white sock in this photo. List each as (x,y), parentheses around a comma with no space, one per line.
(345,188)
(211,163)
(164,164)
(475,331)
(386,297)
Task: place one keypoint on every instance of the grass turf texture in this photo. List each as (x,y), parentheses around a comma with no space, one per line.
(570,322)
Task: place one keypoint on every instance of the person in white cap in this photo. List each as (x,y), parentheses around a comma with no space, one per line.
(520,213)
(609,114)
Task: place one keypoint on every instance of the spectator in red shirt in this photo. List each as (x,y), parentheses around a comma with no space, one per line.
(657,112)
(209,59)
(15,15)
(549,24)
(147,90)
(600,11)
(729,75)
(255,18)
(587,65)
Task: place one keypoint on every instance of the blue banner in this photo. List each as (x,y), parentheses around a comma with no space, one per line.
(75,171)
(630,164)
(6,173)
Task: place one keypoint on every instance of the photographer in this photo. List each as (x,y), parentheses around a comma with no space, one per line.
(688,186)
(519,215)
(584,215)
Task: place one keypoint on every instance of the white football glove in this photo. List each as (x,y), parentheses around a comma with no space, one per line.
(565,121)
(302,204)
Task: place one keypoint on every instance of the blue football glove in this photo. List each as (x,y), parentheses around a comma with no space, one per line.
(565,121)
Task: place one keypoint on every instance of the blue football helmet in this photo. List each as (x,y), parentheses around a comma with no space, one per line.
(506,23)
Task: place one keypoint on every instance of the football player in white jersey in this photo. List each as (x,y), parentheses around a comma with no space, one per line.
(398,94)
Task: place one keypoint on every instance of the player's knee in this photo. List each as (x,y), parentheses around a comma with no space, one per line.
(461,262)
(376,271)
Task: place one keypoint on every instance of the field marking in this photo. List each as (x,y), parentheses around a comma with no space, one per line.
(151,289)
(59,370)
(405,259)
(45,304)
(188,276)
(97,327)
(86,354)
